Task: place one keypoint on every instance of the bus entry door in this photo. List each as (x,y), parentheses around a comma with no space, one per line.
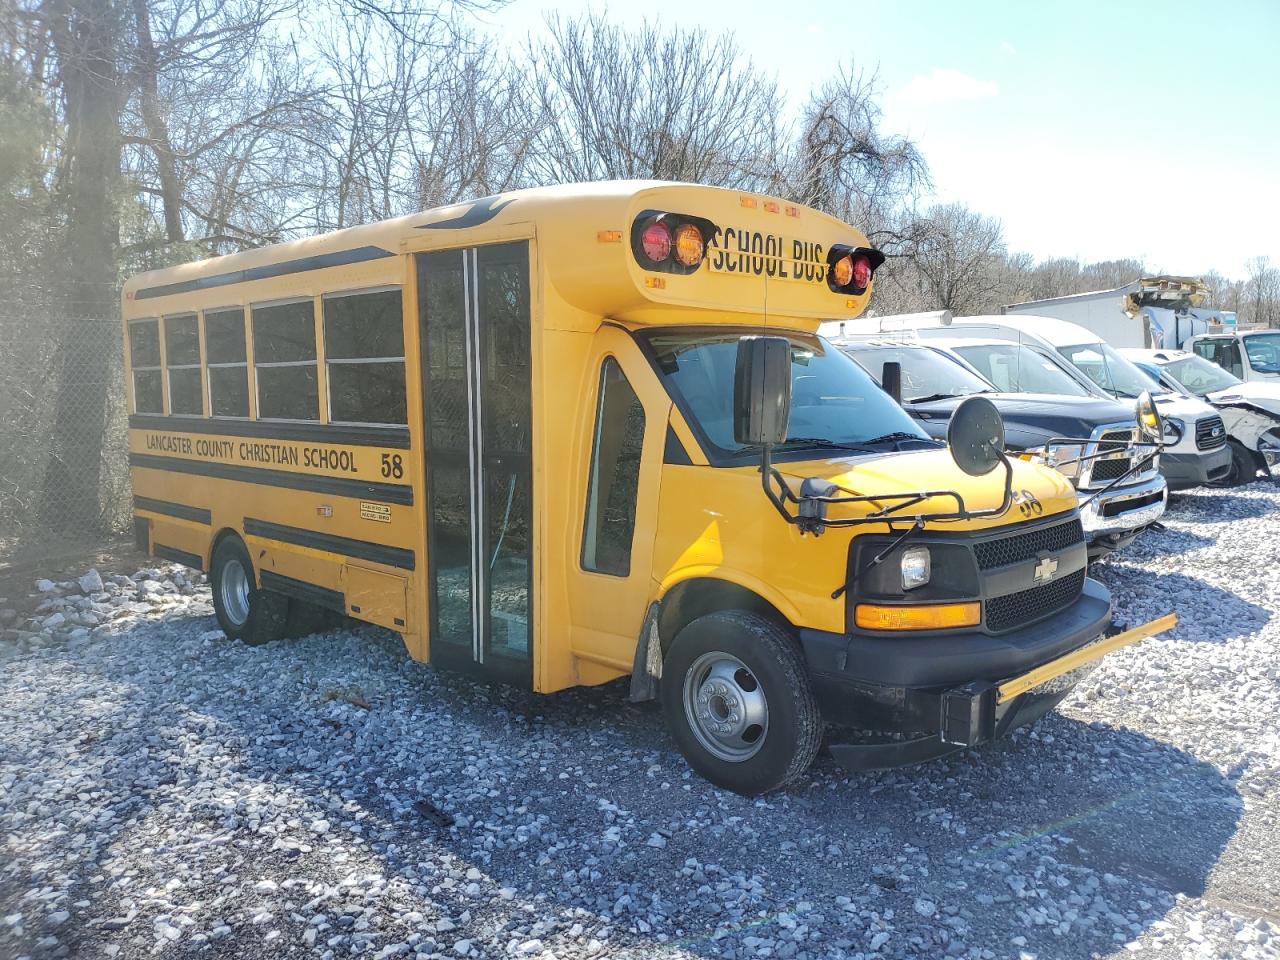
(475,331)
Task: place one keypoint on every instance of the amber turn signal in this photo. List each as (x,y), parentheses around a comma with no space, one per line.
(932,616)
(842,271)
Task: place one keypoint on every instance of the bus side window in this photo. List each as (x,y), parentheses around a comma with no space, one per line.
(227,360)
(364,356)
(144,359)
(284,361)
(182,364)
(614,476)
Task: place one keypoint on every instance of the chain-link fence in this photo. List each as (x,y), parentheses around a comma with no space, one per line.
(64,478)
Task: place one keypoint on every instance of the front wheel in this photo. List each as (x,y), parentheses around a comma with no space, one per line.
(244,612)
(737,699)
(1244,465)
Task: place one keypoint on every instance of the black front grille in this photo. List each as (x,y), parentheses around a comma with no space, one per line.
(1027,606)
(1205,436)
(1026,546)
(1105,471)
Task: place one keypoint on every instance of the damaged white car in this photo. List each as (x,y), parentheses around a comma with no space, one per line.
(1250,410)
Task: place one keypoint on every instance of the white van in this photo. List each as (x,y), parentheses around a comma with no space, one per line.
(1196,440)
(1246,356)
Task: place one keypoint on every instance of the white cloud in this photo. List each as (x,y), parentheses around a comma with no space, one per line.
(945,85)
(1007,47)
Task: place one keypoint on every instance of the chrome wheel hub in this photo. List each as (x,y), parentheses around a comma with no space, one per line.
(233,589)
(726,707)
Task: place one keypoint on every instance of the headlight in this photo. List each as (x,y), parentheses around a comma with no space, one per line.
(1065,458)
(915,567)
(1173,430)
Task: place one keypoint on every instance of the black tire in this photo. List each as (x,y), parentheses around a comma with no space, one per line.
(258,616)
(792,733)
(306,618)
(1244,465)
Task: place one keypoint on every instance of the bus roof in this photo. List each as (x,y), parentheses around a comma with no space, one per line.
(767,258)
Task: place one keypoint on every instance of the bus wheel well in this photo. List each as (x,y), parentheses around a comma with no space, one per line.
(700,596)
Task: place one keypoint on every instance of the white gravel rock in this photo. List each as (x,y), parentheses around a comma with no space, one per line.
(171,791)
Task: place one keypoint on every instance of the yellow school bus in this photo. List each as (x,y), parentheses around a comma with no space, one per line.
(571,434)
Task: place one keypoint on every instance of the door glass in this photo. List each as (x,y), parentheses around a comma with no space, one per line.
(476,363)
(502,296)
(449,507)
(615,475)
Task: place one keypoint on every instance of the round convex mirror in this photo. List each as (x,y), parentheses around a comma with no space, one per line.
(976,436)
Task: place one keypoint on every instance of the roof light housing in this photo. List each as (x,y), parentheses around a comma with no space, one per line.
(850,269)
(671,242)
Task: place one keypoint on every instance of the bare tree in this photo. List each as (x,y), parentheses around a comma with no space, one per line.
(843,162)
(677,105)
(960,259)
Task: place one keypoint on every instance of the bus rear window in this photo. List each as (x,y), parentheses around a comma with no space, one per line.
(144,360)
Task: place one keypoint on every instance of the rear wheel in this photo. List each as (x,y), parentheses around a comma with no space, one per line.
(244,612)
(1245,465)
(737,699)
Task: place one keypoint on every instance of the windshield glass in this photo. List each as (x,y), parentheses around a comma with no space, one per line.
(1112,372)
(926,373)
(1015,368)
(1264,351)
(833,400)
(1200,376)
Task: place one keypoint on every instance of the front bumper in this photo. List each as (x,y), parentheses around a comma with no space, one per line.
(896,683)
(986,696)
(1113,519)
(1185,470)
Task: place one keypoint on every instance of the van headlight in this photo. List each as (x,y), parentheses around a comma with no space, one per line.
(1065,458)
(916,567)
(1173,430)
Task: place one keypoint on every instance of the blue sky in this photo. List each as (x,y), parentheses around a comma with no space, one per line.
(1093,130)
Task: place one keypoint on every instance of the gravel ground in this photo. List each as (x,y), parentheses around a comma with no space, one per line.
(166,791)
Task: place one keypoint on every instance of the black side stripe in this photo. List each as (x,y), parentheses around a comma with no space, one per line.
(178,556)
(339,258)
(674,451)
(180,510)
(360,549)
(337,486)
(394,437)
(320,596)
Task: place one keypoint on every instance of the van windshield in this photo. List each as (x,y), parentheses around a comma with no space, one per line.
(927,374)
(1264,351)
(1200,376)
(834,403)
(1112,372)
(1015,368)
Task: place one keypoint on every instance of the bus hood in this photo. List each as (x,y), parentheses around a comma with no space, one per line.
(933,470)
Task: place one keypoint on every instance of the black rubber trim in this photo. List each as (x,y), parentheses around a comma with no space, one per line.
(178,556)
(169,509)
(339,258)
(337,486)
(674,452)
(301,590)
(395,437)
(360,549)
(142,534)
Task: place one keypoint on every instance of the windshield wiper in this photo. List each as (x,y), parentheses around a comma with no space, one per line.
(896,437)
(932,397)
(822,442)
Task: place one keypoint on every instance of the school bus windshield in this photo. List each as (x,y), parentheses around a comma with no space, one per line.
(834,403)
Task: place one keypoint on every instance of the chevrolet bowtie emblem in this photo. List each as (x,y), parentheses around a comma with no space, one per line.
(1044,570)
